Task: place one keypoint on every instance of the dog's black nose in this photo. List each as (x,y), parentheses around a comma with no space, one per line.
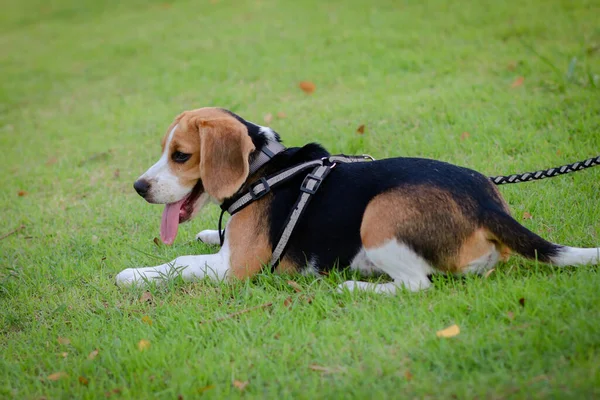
(141,186)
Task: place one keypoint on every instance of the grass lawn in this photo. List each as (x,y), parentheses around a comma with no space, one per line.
(87,90)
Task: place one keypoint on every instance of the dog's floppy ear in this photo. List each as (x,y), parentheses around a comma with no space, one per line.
(224,151)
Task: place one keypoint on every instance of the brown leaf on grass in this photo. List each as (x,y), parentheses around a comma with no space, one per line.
(268,118)
(147,320)
(464,135)
(63,341)
(83,380)
(64,354)
(206,388)
(157,241)
(488,273)
(510,315)
(143,345)
(117,173)
(517,82)
(179,397)
(288,302)
(93,354)
(408,375)
(307,299)
(22,193)
(307,87)
(281,115)
(57,375)
(450,331)
(146,297)
(51,161)
(360,130)
(241,385)
(527,215)
(295,285)
(325,370)
(522,301)
(113,391)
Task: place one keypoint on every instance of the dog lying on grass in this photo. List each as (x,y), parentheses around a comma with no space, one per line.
(406,217)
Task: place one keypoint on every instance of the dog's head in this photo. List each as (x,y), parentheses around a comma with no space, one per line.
(205,155)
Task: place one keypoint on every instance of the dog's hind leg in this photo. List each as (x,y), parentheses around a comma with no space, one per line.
(400,262)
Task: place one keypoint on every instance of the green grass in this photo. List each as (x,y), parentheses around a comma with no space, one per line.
(88,88)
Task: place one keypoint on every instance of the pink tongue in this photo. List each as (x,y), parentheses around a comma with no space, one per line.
(170,222)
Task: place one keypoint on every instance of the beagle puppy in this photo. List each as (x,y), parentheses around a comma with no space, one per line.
(406,217)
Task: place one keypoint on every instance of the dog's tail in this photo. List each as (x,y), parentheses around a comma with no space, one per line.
(528,244)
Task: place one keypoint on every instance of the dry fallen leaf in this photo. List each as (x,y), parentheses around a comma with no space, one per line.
(488,273)
(307,86)
(464,135)
(83,380)
(93,354)
(147,320)
(114,391)
(57,375)
(450,331)
(527,215)
(307,299)
(408,375)
(22,193)
(522,301)
(268,118)
(361,129)
(240,385)
(63,340)
(518,82)
(288,302)
(143,345)
(146,297)
(295,285)
(156,241)
(281,115)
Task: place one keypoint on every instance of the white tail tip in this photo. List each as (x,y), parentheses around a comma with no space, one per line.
(576,256)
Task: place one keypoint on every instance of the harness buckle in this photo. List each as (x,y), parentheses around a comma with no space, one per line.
(304,187)
(257,195)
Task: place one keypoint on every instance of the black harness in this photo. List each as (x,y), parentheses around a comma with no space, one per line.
(319,169)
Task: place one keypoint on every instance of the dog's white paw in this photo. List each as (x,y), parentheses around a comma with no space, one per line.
(126,277)
(350,286)
(209,237)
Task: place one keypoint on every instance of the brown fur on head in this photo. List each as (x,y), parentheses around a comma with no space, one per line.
(207,147)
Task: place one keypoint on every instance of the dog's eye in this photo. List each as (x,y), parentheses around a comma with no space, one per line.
(180,157)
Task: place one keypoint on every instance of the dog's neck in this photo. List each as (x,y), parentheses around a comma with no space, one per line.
(264,154)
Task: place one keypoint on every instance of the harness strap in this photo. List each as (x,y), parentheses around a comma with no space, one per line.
(309,187)
(264,185)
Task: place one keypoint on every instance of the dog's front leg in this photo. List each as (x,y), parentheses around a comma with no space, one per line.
(214,266)
(209,236)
